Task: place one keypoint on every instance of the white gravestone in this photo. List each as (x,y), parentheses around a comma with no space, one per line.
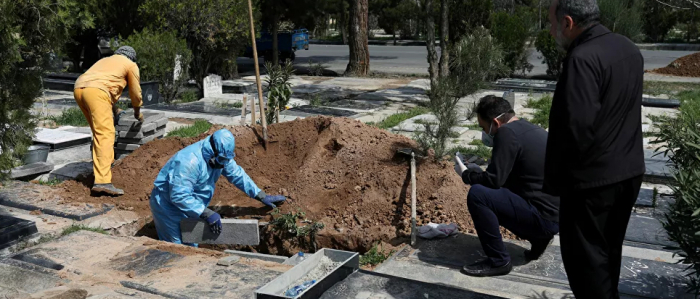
(213,86)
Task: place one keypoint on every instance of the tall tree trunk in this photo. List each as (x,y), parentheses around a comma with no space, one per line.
(430,43)
(275,40)
(359,48)
(444,38)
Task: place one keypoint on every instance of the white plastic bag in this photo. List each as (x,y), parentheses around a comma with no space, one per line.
(434,230)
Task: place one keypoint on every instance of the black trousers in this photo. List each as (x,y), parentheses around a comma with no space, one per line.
(492,208)
(592,226)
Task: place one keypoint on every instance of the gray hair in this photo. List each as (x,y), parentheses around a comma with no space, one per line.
(585,13)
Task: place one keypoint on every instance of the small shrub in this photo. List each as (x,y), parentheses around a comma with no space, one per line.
(374,256)
(188,96)
(476,60)
(511,32)
(552,55)
(680,139)
(198,128)
(395,119)
(443,104)
(316,68)
(70,117)
(279,89)
(480,151)
(157,52)
(542,108)
(316,101)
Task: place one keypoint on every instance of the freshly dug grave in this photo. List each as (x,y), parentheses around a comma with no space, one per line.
(339,171)
(686,66)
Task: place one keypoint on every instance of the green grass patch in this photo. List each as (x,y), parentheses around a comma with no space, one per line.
(474,126)
(542,107)
(74,228)
(480,151)
(51,182)
(395,119)
(476,142)
(655,88)
(70,117)
(188,96)
(198,128)
(374,256)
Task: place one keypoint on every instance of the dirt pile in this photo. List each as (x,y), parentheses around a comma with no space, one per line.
(686,66)
(338,171)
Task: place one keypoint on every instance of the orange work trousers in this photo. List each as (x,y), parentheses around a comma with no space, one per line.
(97,108)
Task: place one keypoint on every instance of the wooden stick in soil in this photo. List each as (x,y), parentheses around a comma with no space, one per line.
(252,111)
(413,199)
(243,110)
(257,73)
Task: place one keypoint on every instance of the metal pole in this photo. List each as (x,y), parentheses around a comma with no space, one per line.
(257,74)
(413,199)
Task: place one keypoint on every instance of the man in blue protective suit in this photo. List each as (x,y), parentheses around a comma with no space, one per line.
(186,184)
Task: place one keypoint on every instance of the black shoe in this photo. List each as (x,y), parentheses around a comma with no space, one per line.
(484,268)
(537,248)
(107,189)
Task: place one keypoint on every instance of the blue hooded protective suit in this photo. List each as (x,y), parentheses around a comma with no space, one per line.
(185,185)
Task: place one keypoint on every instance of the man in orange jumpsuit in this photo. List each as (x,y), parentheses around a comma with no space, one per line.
(97,92)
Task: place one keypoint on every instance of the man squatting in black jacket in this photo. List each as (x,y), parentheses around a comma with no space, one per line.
(509,193)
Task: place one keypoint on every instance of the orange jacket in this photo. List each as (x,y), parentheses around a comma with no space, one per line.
(111,74)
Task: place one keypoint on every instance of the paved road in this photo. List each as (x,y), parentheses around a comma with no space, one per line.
(413,59)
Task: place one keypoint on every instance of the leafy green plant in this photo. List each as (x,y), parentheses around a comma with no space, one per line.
(70,117)
(316,68)
(395,119)
(279,89)
(480,151)
(476,142)
(157,52)
(198,128)
(188,96)
(679,137)
(51,182)
(374,256)
(542,107)
(316,101)
(75,228)
(33,31)
(288,223)
(552,55)
(511,32)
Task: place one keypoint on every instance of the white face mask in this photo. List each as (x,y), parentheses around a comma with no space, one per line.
(487,138)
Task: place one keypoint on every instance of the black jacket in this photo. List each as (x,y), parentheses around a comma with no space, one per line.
(517,164)
(595,135)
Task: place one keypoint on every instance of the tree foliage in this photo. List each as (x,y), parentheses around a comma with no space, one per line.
(623,17)
(157,52)
(511,32)
(658,20)
(552,55)
(32,31)
(216,31)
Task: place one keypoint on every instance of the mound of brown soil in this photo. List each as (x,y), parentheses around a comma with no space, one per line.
(338,171)
(686,66)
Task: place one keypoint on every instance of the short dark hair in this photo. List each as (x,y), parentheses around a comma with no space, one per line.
(491,106)
(585,13)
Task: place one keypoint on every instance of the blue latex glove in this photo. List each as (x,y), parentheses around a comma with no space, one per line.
(214,220)
(270,200)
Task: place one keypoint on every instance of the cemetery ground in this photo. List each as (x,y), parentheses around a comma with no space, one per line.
(333,154)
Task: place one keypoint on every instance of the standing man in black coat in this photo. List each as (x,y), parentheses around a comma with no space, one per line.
(595,158)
